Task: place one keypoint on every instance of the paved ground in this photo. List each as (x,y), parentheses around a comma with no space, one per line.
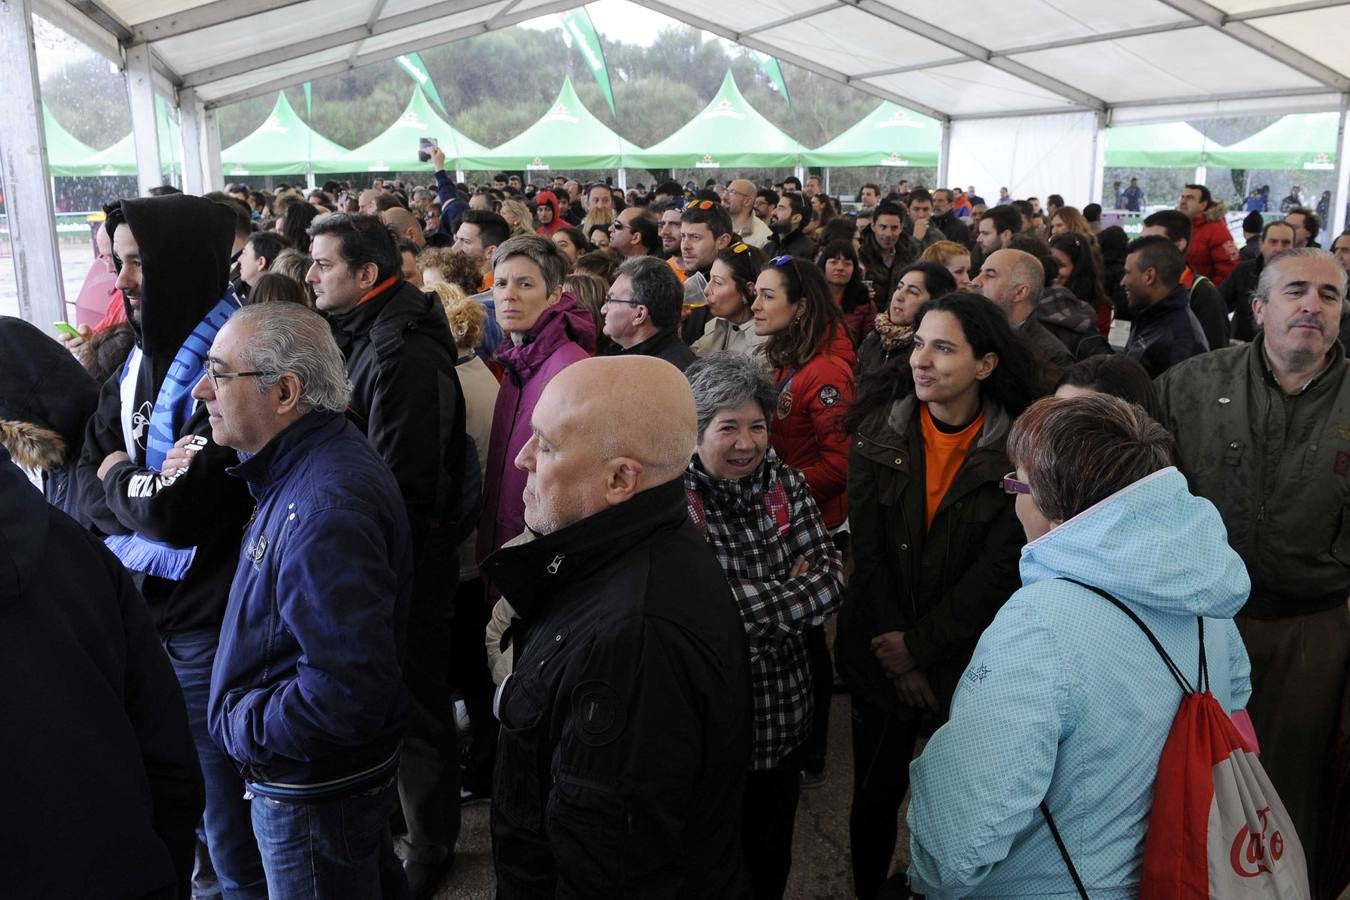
(820,848)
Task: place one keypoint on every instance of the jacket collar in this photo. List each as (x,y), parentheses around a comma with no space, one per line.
(362,316)
(653,345)
(530,573)
(275,460)
(1261,370)
(894,429)
(1179,299)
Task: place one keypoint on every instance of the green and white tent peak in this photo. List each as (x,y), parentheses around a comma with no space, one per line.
(729,132)
(1167,145)
(1294,143)
(66,154)
(282,145)
(888,136)
(395,150)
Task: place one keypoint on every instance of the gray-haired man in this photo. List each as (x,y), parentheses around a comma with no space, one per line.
(307,693)
(642,312)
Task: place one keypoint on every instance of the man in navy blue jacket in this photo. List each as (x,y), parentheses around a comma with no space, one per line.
(307,695)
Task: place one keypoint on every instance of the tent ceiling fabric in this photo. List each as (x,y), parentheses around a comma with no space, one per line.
(951,59)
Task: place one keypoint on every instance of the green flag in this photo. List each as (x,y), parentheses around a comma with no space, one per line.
(578,32)
(417,71)
(774,73)
(309,100)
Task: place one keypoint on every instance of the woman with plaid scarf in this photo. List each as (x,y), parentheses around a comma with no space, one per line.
(758,515)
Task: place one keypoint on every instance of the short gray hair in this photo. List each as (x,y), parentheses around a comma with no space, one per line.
(1078,451)
(655,287)
(286,338)
(727,379)
(1266,282)
(539,250)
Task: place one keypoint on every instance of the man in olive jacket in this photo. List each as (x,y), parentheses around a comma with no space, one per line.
(1263,432)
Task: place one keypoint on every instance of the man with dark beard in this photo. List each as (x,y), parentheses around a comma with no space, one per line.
(789,221)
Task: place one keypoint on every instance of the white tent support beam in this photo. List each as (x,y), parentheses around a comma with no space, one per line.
(1341,191)
(317,43)
(912,67)
(140,83)
(79,26)
(376,10)
(1268,11)
(191,112)
(787,20)
(211,167)
(1261,42)
(798,61)
(30,212)
(1010,114)
(201,17)
(1089,39)
(1098,160)
(976,52)
(944,154)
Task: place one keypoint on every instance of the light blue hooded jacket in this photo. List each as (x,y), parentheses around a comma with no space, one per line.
(1066,700)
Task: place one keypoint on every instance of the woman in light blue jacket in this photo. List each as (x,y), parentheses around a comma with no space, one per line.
(1065,700)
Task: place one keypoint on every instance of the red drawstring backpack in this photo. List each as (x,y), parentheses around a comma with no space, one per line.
(1217,829)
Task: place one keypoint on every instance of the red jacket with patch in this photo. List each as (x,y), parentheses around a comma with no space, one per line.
(808,426)
(1212,252)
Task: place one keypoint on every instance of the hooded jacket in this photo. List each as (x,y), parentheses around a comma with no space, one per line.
(306,689)
(46,399)
(939,584)
(1072,321)
(563,334)
(184,243)
(627,722)
(1166,333)
(1212,252)
(549,199)
(1066,701)
(808,426)
(97,736)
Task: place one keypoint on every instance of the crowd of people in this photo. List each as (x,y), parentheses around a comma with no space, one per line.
(363,506)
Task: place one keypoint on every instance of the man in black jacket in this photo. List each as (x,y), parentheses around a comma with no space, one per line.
(626,725)
(178,535)
(406,399)
(1205,299)
(886,249)
(788,223)
(106,789)
(1237,290)
(1013,281)
(642,312)
(1165,331)
(952,227)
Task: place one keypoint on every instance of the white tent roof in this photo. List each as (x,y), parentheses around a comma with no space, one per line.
(951,59)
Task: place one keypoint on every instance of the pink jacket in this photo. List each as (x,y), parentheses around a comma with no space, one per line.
(564,334)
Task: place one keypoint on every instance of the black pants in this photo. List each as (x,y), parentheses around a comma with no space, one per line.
(469,675)
(883,745)
(766,831)
(822,692)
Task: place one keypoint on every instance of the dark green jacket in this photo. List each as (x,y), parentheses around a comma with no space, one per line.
(1277,466)
(942,585)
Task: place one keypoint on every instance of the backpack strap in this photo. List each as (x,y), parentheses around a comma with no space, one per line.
(1172,667)
(1063,851)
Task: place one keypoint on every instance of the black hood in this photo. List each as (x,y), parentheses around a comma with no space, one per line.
(42,384)
(23,531)
(185,245)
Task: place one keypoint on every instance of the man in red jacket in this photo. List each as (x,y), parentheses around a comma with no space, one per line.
(1212,252)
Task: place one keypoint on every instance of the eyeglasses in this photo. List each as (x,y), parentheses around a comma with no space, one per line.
(700,204)
(731,190)
(616,300)
(215,377)
(1011,485)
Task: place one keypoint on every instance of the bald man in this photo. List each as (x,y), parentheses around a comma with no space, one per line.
(1014,280)
(740,203)
(626,724)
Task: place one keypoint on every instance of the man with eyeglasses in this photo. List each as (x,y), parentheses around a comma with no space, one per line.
(642,312)
(406,399)
(175,528)
(740,203)
(307,695)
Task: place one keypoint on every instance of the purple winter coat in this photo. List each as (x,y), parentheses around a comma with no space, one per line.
(564,334)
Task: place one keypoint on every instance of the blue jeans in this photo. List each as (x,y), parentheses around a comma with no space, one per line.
(229,833)
(331,849)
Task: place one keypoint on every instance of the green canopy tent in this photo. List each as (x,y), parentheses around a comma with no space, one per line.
(890,136)
(728,132)
(566,137)
(1298,142)
(66,154)
(120,158)
(1168,145)
(396,149)
(281,145)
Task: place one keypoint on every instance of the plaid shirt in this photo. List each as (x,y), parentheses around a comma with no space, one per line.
(758,526)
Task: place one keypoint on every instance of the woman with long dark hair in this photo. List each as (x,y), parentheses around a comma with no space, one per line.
(1079,263)
(838,261)
(935,546)
(294,224)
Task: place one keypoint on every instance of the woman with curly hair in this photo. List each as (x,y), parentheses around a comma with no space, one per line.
(445,265)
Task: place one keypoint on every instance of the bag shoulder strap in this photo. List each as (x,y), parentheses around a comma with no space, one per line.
(1172,667)
(1063,851)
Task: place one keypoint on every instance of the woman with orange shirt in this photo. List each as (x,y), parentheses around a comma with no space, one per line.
(935,545)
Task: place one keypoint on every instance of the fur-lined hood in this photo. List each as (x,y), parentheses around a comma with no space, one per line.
(32,446)
(1217,211)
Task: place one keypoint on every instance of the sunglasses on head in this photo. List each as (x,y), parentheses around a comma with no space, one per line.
(740,248)
(783,260)
(700,204)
